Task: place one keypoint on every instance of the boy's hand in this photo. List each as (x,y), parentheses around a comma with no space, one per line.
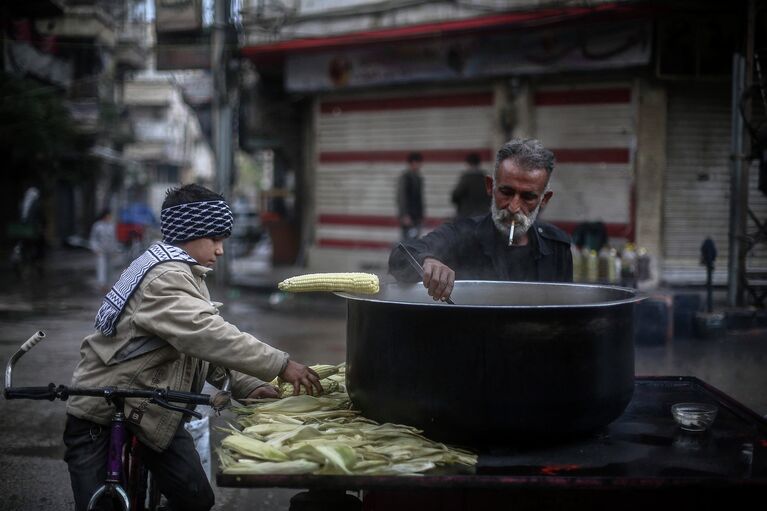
(263,392)
(298,375)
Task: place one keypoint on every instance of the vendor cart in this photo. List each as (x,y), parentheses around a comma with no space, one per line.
(641,460)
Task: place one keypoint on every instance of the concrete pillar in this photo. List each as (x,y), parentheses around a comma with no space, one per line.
(522,121)
(306,180)
(649,175)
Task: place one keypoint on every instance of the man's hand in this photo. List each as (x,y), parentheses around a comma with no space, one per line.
(438,278)
(406,220)
(298,375)
(263,392)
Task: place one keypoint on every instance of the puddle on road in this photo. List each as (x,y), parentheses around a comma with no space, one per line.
(21,310)
(55,452)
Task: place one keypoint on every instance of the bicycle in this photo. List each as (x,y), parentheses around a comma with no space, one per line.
(127,479)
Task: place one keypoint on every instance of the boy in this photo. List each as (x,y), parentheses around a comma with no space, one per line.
(158,328)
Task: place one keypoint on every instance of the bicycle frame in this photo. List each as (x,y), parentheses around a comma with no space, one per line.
(113,483)
(118,451)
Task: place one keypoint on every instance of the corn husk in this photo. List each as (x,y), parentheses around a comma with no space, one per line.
(253,448)
(324,435)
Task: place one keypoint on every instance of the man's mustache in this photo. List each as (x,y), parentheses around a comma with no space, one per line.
(506,216)
(502,219)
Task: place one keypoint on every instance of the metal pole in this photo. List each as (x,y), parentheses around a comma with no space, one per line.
(222,117)
(737,184)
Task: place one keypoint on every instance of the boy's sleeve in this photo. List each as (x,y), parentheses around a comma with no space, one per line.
(241,384)
(174,309)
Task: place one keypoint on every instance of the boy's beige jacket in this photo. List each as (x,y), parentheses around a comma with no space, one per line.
(169,335)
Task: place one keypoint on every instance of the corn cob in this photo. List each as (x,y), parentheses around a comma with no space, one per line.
(328,386)
(366,283)
(324,371)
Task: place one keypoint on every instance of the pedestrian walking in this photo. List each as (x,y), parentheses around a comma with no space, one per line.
(29,233)
(470,194)
(103,242)
(410,197)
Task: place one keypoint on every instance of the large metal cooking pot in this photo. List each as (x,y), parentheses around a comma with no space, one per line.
(510,360)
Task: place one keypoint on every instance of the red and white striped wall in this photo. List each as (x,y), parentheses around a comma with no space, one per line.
(362,144)
(591,129)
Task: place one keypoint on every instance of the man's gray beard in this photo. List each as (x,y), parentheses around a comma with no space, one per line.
(522,223)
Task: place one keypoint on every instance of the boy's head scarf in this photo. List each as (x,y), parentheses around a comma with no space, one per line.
(180,223)
(195,220)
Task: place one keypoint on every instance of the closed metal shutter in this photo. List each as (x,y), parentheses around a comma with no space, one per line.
(362,143)
(591,130)
(697,185)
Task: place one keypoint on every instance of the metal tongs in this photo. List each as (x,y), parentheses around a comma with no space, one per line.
(417,266)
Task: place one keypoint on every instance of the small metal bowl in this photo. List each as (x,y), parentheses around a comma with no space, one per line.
(694,416)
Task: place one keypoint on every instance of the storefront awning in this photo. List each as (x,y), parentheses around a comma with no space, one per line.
(613,11)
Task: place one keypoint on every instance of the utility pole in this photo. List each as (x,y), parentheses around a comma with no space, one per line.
(222,115)
(735,270)
(742,78)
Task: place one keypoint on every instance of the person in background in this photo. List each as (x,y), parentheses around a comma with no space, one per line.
(103,242)
(470,194)
(158,328)
(136,219)
(481,248)
(410,204)
(29,251)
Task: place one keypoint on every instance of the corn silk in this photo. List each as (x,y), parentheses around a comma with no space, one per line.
(323,435)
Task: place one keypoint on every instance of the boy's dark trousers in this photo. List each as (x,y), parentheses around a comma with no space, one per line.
(177,470)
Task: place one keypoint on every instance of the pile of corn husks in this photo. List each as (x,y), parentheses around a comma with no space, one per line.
(322,435)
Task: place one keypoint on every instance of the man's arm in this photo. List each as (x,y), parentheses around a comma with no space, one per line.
(436,252)
(438,278)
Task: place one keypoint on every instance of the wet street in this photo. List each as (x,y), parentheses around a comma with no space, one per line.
(63,304)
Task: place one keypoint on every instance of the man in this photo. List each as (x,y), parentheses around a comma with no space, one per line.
(410,197)
(479,248)
(469,195)
(157,327)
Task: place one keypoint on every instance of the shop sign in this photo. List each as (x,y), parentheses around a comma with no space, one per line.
(178,15)
(516,52)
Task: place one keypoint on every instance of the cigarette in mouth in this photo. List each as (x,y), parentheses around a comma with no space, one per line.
(511,233)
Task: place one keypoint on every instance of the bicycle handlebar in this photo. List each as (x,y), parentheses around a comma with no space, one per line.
(28,344)
(62,392)
(161,397)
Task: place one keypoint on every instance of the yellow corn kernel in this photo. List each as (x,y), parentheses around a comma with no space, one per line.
(352,282)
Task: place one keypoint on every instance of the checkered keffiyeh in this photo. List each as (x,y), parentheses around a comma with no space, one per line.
(194,220)
(114,302)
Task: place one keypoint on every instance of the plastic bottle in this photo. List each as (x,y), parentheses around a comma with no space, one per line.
(643,264)
(592,266)
(617,267)
(628,268)
(602,266)
(577,264)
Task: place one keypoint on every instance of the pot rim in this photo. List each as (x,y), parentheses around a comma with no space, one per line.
(636,296)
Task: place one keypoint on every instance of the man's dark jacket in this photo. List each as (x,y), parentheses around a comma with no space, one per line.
(469,247)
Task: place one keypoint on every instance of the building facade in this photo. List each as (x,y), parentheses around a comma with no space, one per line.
(634,98)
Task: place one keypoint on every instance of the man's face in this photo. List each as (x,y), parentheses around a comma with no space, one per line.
(415,165)
(204,250)
(517,194)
